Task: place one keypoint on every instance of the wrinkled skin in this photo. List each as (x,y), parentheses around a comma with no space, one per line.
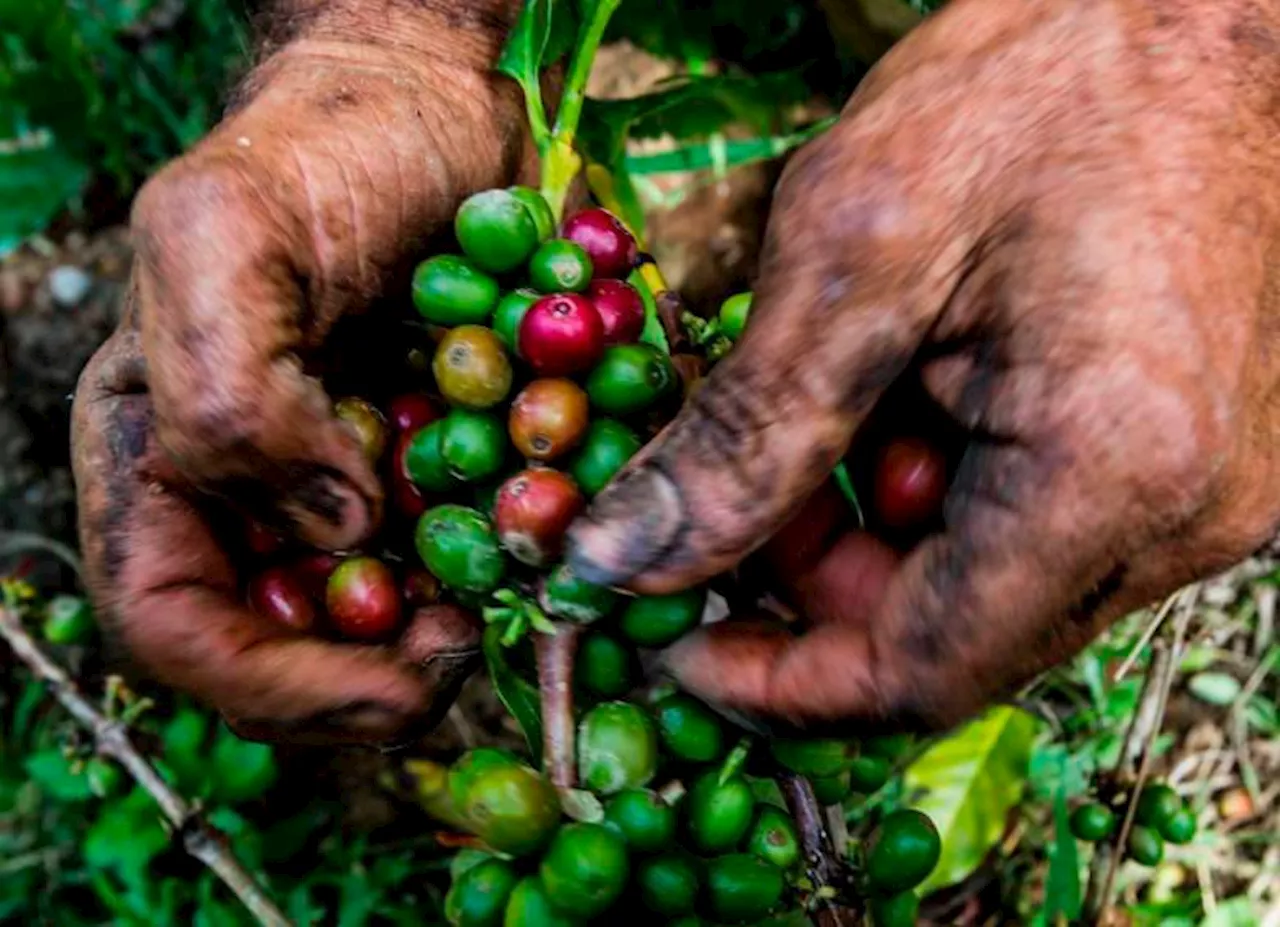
(1062,218)
(357,140)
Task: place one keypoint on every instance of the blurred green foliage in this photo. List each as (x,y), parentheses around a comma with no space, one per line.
(104,90)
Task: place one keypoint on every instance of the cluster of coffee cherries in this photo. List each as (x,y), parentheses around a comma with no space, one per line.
(712,843)
(1161,817)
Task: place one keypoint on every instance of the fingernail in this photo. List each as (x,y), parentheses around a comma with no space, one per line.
(629,529)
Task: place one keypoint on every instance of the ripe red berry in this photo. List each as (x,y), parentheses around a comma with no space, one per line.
(278,594)
(406,496)
(621,310)
(363,599)
(561,335)
(420,587)
(610,246)
(313,572)
(910,483)
(411,411)
(532,512)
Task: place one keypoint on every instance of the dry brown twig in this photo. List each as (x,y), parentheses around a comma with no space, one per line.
(111,739)
(825,868)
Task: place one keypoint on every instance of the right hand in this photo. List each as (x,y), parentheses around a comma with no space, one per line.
(358,141)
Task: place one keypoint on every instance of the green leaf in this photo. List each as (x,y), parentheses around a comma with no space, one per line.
(35,185)
(53,773)
(968,783)
(721,154)
(126,836)
(653,332)
(184,751)
(242,770)
(1062,887)
(1238,912)
(542,35)
(519,696)
(1215,688)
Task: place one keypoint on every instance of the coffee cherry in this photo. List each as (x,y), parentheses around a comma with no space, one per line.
(278,594)
(512,808)
(900,910)
(450,290)
(262,540)
(406,498)
(471,368)
(411,411)
(741,889)
(630,378)
(585,869)
(548,418)
(733,315)
(910,483)
(529,906)
(621,309)
(1092,822)
(419,588)
(363,599)
(458,545)
(560,266)
(813,757)
(660,620)
(313,572)
(1180,828)
(472,444)
(617,748)
(612,249)
(68,620)
(543,218)
(604,667)
(508,316)
(1146,846)
(868,774)
(906,849)
(606,447)
(644,820)
(423,459)
(832,790)
(496,230)
(479,896)
(773,838)
(366,423)
(718,814)
(471,764)
(561,335)
(533,511)
(668,884)
(566,595)
(689,729)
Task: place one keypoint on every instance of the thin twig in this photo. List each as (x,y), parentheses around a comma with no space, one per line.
(1156,623)
(111,739)
(555,654)
(826,870)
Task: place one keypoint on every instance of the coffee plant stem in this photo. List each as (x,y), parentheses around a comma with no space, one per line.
(555,655)
(826,869)
(111,739)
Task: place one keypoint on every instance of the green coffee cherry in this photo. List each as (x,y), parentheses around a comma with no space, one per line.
(617,748)
(689,729)
(543,218)
(450,290)
(660,620)
(424,462)
(478,898)
(733,315)
(460,547)
(1157,804)
(644,820)
(68,619)
(473,444)
(606,447)
(813,758)
(668,884)
(605,667)
(585,869)
(906,849)
(508,316)
(471,764)
(901,910)
(1092,822)
(529,906)
(718,816)
(512,809)
(832,790)
(560,266)
(741,889)
(1146,846)
(565,595)
(630,378)
(496,230)
(773,838)
(1179,829)
(868,774)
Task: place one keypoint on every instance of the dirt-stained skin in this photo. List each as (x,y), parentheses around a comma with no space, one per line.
(350,146)
(1063,217)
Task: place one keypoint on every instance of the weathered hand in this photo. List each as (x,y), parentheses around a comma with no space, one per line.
(1062,219)
(359,138)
